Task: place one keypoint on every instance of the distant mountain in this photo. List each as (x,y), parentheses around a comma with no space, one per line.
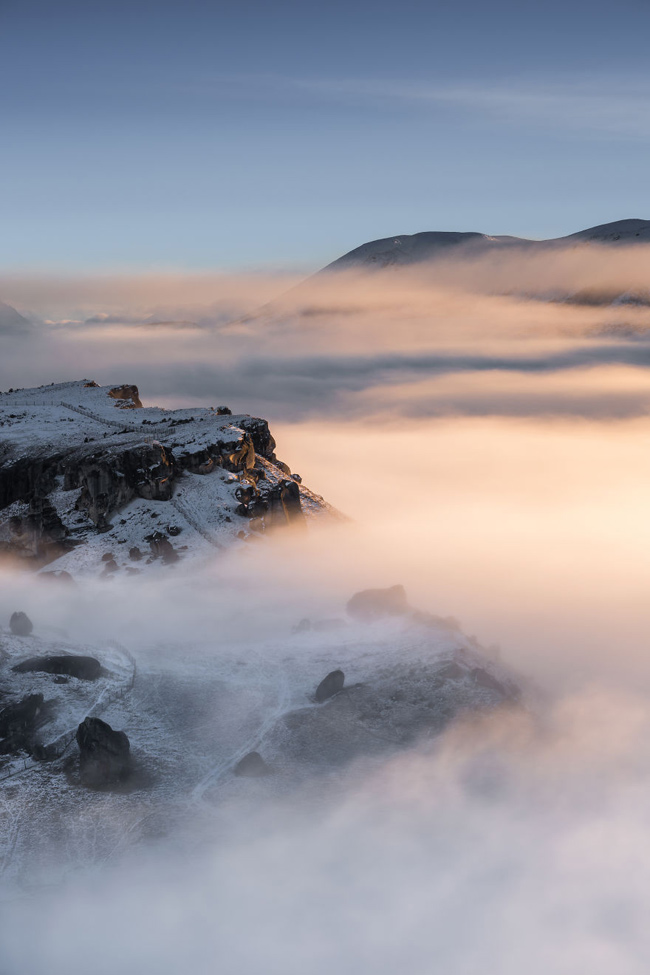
(407,249)
(10,319)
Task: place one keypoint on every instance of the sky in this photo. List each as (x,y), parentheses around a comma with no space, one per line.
(280,135)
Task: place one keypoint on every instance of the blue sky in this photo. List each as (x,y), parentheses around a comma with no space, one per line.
(281,134)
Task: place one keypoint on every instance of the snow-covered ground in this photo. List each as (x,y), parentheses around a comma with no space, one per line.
(192,712)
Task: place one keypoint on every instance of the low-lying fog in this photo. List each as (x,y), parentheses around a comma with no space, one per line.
(492,452)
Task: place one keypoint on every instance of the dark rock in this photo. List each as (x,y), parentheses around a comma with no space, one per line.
(19,721)
(70,665)
(20,624)
(105,755)
(107,557)
(284,505)
(45,753)
(245,493)
(110,567)
(251,766)
(135,554)
(162,548)
(110,480)
(258,508)
(376,604)
(39,535)
(260,435)
(174,530)
(329,686)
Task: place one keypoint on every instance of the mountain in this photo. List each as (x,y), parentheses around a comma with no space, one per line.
(93,482)
(407,249)
(10,319)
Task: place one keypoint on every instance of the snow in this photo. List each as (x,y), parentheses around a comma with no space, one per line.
(55,420)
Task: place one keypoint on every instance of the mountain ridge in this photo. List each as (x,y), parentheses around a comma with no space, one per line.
(406,249)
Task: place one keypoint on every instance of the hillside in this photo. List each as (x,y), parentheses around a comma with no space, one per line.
(407,249)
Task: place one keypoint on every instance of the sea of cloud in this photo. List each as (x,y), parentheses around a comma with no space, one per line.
(489,440)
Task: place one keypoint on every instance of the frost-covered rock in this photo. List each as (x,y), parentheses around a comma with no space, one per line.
(67,664)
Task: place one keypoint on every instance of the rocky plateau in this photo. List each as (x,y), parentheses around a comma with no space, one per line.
(93,482)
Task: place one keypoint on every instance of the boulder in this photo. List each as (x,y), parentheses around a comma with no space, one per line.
(68,665)
(251,766)
(376,604)
(20,624)
(18,722)
(105,754)
(329,686)
(161,547)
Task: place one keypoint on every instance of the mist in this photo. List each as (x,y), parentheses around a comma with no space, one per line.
(489,449)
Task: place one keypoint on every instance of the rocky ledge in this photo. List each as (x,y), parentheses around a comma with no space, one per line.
(93,481)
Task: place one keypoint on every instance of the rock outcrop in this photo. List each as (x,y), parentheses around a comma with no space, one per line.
(105,754)
(19,722)
(77,458)
(20,624)
(376,604)
(329,686)
(68,665)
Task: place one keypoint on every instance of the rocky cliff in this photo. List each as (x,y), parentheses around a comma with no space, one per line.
(92,480)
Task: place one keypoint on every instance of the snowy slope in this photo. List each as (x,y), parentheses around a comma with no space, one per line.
(192,713)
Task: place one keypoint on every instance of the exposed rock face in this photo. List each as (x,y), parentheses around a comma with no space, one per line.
(108,482)
(329,686)
(129,397)
(73,455)
(20,624)
(251,766)
(19,722)
(375,604)
(260,435)
(70,665)
(105,755)
(283,505)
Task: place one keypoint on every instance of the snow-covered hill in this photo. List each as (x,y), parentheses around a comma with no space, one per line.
(192,714)
(90,481)
(407,249)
